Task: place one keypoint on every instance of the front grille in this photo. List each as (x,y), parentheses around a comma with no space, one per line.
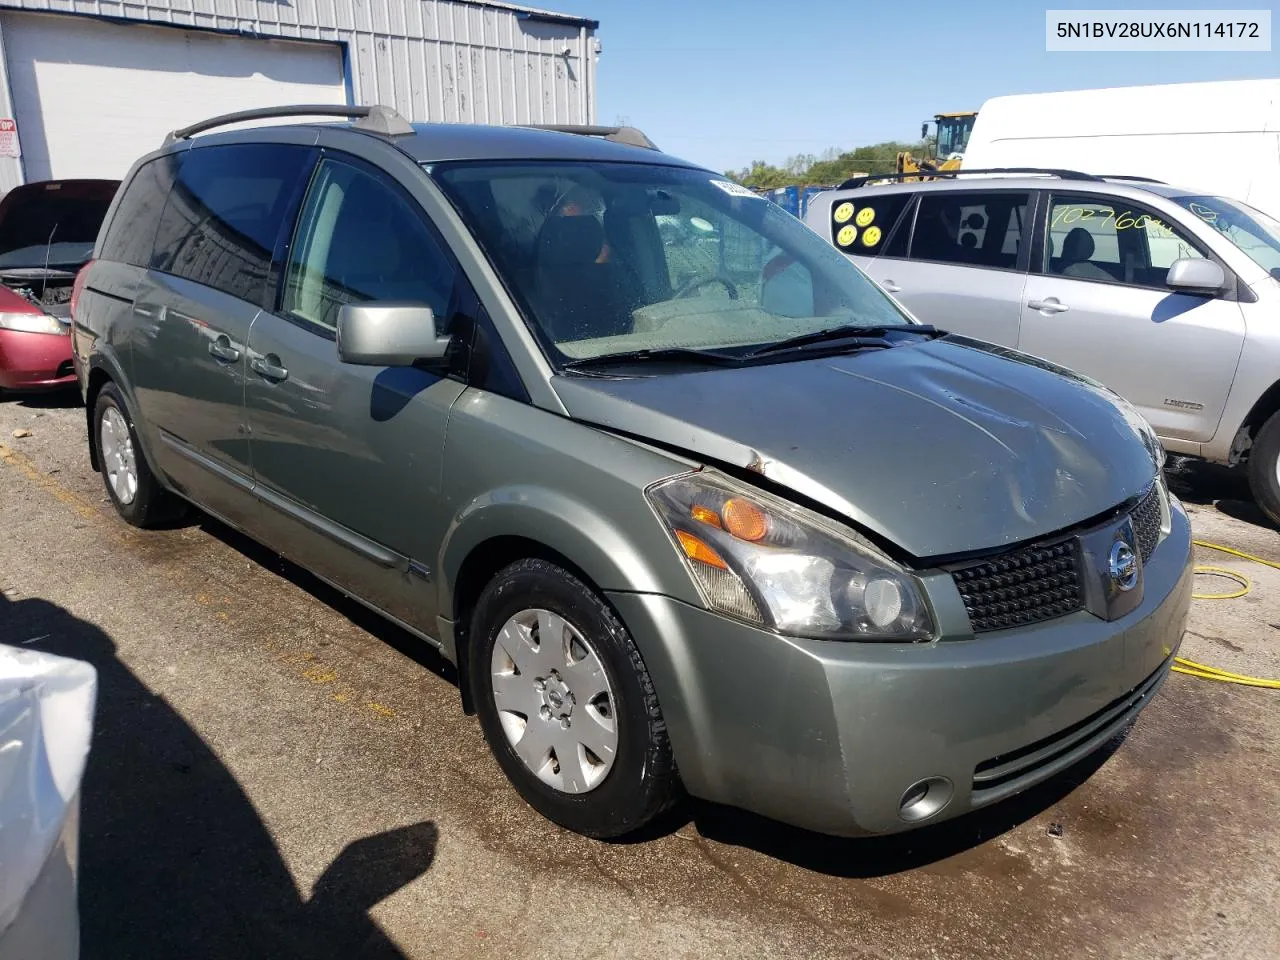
(1146,523)
(998,777)
(1023,586)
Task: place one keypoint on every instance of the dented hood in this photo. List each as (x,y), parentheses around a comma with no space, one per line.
(942,447)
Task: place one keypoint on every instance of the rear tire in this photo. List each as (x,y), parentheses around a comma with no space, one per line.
(1264,468)
(566,703)
(131,486)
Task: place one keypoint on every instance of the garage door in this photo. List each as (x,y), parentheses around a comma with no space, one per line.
(91,97)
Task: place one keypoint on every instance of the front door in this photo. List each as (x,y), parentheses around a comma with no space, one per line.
(1097,302)
(207,281)
(348,458)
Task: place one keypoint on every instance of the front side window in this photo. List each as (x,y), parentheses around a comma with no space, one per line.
(970,228)
(359,239)
(611,257)
(1256,234)
(225,212)
(1111,241)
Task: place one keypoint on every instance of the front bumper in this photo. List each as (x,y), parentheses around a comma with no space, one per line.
(830,735)
(34,361)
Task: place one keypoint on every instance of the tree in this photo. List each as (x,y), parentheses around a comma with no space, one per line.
(833,166)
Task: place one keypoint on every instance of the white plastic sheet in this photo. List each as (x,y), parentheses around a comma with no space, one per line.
(46,720)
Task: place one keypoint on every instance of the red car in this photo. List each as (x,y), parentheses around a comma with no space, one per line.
(47,233)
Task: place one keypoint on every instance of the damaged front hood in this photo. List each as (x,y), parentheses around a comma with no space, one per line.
(941,447)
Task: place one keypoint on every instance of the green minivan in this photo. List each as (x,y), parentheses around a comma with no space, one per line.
(690,503)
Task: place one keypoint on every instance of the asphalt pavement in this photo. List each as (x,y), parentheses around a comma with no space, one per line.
(276,774)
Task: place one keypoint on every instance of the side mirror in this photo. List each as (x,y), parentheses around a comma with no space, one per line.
(388,334)
(1196,275)
(924,130)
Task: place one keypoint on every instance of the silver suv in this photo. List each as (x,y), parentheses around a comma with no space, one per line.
(1169,296)
(688,501)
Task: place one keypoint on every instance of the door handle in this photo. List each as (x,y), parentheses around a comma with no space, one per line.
(269,367)
(890,286)
(223,350)
(1048,305)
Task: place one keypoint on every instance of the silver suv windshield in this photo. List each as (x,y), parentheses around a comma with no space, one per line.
(608,258)
(1256,234)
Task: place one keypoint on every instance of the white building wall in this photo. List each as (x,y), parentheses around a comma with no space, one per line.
(432,60)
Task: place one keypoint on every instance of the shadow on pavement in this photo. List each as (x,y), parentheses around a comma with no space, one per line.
(882,856)
(174,859)
(61,399)
(372,623)
(1213,485)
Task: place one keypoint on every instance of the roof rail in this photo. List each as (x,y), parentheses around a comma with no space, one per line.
(1125,176)
(375,119)
(854,182)
(628,135)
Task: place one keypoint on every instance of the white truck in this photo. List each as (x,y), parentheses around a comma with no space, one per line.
(1221,137)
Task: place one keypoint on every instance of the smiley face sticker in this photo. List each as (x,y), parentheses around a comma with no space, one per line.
(843,212)
(848,233)
(864,217)
(870,236)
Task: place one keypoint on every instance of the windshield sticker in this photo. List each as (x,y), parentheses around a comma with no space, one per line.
(848,233)
(864,217)
(1105,217)
(1207,214)
(735,189)
(870,236)
(843,212)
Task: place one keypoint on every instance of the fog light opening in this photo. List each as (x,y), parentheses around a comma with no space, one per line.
(924,799)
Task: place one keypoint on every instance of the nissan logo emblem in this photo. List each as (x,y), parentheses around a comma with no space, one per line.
(1123,566)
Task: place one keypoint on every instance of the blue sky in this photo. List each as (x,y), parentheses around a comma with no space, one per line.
(724,83)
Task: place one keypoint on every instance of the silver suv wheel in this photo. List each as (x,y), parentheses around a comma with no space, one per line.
(554,701)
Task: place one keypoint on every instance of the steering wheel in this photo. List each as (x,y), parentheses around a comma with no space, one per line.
(697,283)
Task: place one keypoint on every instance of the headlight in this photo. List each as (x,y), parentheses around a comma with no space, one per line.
(763,560)
(31,323)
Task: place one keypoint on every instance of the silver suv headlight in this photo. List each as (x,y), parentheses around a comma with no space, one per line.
(766,561)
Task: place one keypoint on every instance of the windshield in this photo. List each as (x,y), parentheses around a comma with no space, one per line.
(1255,233)
(953,135)
(607,258)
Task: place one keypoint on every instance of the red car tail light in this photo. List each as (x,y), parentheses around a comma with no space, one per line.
(78,286)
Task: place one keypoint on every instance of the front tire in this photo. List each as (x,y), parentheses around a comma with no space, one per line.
(566,703)
(1264,468)
(131,486)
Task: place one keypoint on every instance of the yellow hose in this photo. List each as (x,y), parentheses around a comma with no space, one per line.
(1203,671)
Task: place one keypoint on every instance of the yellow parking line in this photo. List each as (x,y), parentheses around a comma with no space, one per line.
(19,462)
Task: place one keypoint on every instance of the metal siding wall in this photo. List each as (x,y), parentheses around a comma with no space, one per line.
(433,60)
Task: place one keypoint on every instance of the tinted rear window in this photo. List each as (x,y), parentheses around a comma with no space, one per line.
(132,229)
(864,225)
(225,212)
(971,228)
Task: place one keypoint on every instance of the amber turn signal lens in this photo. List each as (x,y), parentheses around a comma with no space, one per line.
(695,549)
(745,520)
(705,515)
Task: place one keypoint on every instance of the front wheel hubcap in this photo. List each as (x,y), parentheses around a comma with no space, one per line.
(554,701)
(118,461)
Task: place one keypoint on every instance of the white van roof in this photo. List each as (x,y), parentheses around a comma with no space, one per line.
(1171,108)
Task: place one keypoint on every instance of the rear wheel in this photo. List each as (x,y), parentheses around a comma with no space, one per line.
(1264,468)
(566,703)
(131,487)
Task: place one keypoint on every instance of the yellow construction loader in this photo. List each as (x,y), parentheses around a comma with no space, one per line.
(953,130)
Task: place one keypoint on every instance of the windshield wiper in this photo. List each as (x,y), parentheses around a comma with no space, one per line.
(856,336)
(678,354)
